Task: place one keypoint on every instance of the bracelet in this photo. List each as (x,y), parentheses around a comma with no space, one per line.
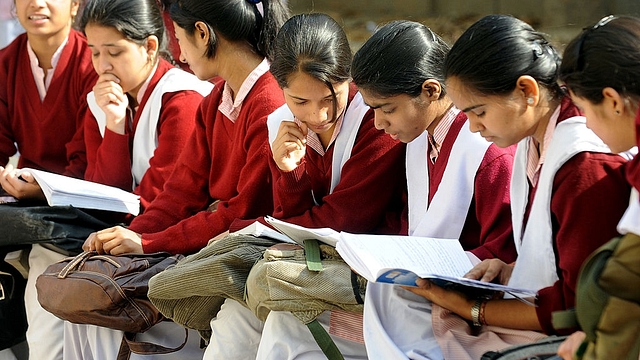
(475,313)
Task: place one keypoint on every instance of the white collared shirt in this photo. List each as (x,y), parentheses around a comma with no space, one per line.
(42,81)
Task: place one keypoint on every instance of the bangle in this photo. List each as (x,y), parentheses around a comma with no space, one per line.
(481,317)
(475,313)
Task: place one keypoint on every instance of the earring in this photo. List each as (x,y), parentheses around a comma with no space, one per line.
(617,112)
(530,101)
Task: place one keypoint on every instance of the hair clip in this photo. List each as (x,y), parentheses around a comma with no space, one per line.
(604,21)
(254,1)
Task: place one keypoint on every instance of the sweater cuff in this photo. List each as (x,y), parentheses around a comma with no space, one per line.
(292,181)
(546,303)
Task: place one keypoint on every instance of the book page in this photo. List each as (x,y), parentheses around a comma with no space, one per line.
(63,190)
(419,255)
(401,260)
(300,233)
(260,230)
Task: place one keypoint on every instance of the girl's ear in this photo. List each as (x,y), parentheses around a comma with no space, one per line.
(431,89)
(613,102)
(152,46)
(202,31)
(75,6)
(527,87)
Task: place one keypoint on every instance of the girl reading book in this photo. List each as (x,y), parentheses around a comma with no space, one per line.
(567,193)
(458,183)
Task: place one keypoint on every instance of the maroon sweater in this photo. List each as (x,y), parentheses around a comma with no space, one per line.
(487,231)
(44,130)
(368,198)
(589,196)
(223,161)
(174,128)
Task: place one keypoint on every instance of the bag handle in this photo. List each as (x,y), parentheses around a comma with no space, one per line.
(328,347)
(129,345)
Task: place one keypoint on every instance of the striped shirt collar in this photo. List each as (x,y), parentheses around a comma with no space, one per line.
(230,107)
(535,159)
(441,130)
(313,140)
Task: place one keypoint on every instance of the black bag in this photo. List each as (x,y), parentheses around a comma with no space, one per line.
(13,323)
(60,228)
(543,349)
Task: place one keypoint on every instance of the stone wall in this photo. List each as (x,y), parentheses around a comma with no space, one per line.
(562,19)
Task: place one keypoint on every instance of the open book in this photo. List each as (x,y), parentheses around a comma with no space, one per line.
(402,260)
(62,190)
(291,233)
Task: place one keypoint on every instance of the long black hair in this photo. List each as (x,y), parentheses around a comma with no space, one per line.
(606,54)
(235,20)
(398,58)
(136,20)
(496,50)
(314,44)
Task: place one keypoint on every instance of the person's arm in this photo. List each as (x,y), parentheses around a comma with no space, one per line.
(507,313)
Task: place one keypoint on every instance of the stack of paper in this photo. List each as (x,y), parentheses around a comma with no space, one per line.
(62,190)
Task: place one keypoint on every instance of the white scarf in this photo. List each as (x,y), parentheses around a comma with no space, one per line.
(145,139)
(344,141)
(446,215)
(536,264)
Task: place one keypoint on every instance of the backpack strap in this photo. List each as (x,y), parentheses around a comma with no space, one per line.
(312,254)
(328,347)
(129,345)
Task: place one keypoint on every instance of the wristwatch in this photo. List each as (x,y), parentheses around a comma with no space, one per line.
(475,313)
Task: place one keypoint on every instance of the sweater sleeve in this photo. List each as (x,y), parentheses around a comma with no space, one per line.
(179,207)
(177,221)
(492,205)
(370,186)
(590,195)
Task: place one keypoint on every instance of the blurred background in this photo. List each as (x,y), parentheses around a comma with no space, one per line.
(560,19)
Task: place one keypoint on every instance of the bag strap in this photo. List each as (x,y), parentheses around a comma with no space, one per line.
(323,339)
(312,254)
(129,345)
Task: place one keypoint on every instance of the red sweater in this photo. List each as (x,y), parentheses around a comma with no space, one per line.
(589,196)
(487,230)
(222,161)
(368,198)
(44,130)
(174,128)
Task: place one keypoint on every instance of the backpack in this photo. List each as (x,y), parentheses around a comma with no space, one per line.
(608,302)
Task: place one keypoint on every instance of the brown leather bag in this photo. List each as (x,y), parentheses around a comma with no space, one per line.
(104,290)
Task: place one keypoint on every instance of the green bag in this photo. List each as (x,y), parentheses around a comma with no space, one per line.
(608,302)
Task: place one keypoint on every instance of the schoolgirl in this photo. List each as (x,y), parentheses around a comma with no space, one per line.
(567,192)
(458,183)
(224,163)
(330,167)
(599,68)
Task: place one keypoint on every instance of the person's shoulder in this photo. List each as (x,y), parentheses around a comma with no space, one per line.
(8,53)
(499,160)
